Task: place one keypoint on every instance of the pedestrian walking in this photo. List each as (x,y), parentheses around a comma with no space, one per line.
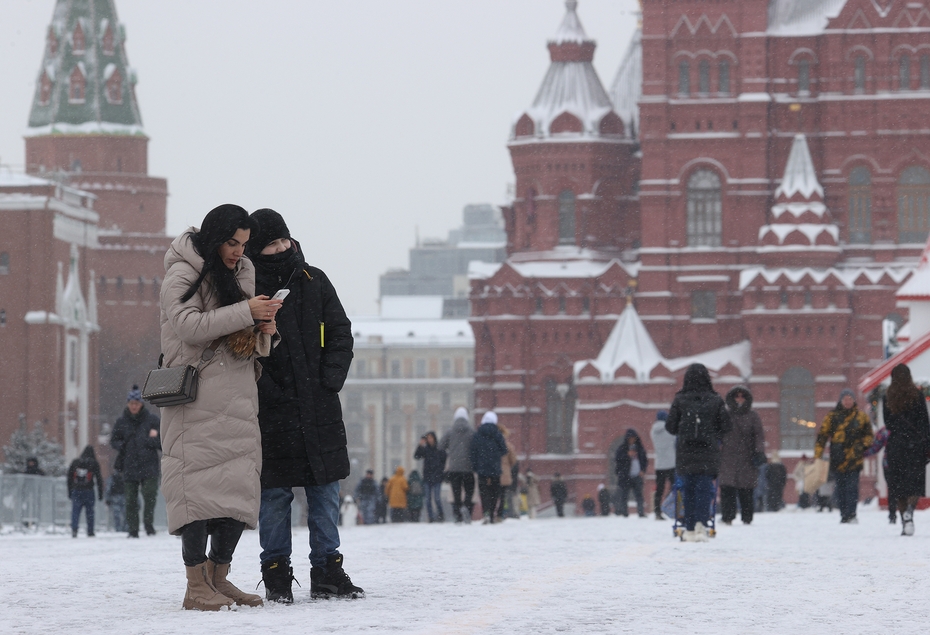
(533,499)
(300,415)
(115,498)
(603,499)
(487,448)
(415,491)
(456,443)
(212,455)
(83,475)
(630,466)
(509,467)
(776,477)
(742,451)
(396,492)
(381,509)
(559,493)
(849,433)
(137,442)
(663,444)
(908,445)
(434,466)
(699,418)
(366,496)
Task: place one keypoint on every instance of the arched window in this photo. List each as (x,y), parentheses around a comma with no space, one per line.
(566,218)
(77,86)
(114,85)
(925,72)
(904,73)
(560,410)
(704,209)
(860,205)
(4,263)
(723,71)
(913,205)
(704,77)
(796,409)
(804,77)
(684,78)
(859,74)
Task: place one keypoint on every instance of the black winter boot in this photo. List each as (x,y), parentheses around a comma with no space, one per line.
(333,581)
(277,575)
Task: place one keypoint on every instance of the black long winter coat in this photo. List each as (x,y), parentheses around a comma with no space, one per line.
(434,462)
(132,439)
(487,448)
(303,435)
(622,457)
(698,394)
(906,450)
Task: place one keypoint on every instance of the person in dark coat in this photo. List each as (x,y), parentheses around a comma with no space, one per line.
(83,473)
(32,467)
(137,442)
(115,498)
(905,412)
(776,477)
(414,497)
(456,443)
(630,466)
(300,416)
(434,466)
(742,450)
(603,499)
(487,448)
(699,418)
(366,495)
(559,493)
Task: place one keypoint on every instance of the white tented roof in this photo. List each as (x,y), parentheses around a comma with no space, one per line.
(801,17)
(800,175)
(629,344)
(918,286)
(571,87)
(570,30)
(627,87)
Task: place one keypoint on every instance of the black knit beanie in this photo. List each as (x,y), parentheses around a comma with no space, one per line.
(271,226)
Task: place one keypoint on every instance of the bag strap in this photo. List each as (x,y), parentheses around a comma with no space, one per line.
(210,351)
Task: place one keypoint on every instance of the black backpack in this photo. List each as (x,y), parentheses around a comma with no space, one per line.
(697,427)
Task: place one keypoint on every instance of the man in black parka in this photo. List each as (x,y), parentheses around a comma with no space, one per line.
(300,416)
(136,439)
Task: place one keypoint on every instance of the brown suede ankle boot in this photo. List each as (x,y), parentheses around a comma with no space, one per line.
(201,595)
(217,574)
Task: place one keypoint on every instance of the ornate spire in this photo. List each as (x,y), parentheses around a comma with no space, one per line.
(85,84)
(571,43)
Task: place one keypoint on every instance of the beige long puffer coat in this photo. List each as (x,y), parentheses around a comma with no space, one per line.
(212,457)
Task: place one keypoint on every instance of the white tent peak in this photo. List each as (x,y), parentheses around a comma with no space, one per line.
(800,176)
(570,30)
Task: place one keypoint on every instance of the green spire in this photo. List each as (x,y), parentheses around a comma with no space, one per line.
(85,84)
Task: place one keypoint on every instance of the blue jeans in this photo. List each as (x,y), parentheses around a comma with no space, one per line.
(432,491)
(369,509)
(847,493)
(82,499)
(274,522)
(697,490)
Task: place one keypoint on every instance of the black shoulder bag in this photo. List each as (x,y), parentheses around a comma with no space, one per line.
(176,386)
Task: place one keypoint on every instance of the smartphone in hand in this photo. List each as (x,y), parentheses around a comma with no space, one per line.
(281,294)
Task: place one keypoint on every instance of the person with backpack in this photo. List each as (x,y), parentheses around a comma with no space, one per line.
(742,451)
(83,472)
(905,411)
(849,433)
(415,491)
(456,443)
(487,448)
(699,418)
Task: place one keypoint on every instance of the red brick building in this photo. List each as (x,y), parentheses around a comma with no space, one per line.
(751,191)
(82,238)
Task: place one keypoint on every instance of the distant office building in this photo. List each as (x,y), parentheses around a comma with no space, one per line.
(411,370)
(440,267)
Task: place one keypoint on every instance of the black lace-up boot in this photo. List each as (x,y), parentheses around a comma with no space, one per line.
(333,581)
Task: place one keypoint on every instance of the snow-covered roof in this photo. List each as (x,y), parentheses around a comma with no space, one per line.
(9,178)
(581,268)
(631,350)
(570,30)
(918,287)
(916,355)
(401,307)
(846,277)
(374,331)
(801,17)
(800,176)
(88,127)
(810,231)
(627,87)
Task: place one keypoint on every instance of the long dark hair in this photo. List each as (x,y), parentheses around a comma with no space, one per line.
(218,226)
(902,392)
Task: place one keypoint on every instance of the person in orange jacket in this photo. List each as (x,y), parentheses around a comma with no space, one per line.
(396,491)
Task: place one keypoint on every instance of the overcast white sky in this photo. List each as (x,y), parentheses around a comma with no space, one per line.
(358,120)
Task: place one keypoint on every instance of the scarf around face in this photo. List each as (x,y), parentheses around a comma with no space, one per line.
(273,271)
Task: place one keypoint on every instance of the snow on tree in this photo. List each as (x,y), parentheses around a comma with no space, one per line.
(24,445)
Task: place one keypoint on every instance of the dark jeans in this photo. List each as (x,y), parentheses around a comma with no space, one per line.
(149,489)
(728,498)
(224,535)
(697,490)
(398,514)
(662,477)
(274,522)
(460,480)
(82,499)
(413,514)
(560,509)
(433,494)
(847,493)
(489,488)
(636,484)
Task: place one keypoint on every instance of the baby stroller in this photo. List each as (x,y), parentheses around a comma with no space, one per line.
(673,507)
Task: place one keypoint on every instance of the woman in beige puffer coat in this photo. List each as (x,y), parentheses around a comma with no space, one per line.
(211,458)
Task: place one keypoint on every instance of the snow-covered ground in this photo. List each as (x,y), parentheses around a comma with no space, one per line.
(791,572)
